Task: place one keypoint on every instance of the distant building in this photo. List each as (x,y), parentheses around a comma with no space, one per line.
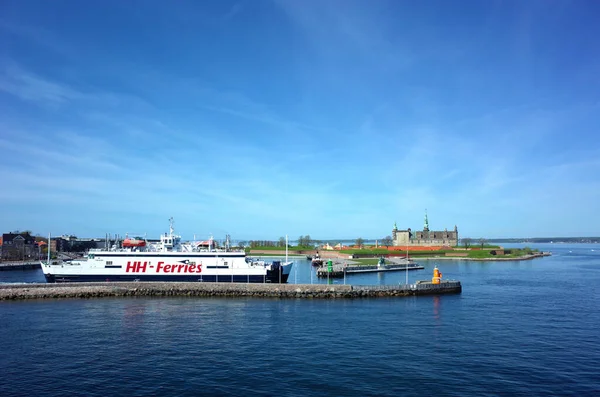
(19,246)
(426,237)
(59,244)
(329,247)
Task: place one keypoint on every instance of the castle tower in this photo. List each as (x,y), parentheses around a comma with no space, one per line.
(426,226)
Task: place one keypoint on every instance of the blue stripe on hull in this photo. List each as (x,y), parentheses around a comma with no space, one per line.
(58,278)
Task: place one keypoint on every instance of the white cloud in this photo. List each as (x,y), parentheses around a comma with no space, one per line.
(30,87)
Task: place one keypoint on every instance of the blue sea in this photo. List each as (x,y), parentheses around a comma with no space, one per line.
(526,328)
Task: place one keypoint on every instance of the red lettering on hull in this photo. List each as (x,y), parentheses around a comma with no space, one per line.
(161,267)
(130,267)
(136,267)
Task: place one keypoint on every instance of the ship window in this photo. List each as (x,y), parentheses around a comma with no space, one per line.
(109,262)
(225,263)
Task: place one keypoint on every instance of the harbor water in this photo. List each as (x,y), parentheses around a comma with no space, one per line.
(518,328)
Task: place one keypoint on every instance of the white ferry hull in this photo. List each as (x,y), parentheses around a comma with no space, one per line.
(85,278)
(149,266)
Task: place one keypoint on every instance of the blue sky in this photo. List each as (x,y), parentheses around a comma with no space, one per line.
(329,118)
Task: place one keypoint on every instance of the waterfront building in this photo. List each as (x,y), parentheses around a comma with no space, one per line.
(426,237)
(18,246)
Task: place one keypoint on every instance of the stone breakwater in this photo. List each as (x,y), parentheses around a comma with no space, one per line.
(183,289)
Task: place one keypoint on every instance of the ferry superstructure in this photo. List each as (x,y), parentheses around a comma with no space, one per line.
(167,260)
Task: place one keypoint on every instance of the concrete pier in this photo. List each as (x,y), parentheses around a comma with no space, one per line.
(186,289)
(338,270)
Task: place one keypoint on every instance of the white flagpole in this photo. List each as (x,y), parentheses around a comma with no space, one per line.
(48,250)
(216,266)
(407,265)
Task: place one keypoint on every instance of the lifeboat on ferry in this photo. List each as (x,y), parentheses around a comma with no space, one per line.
(132,242)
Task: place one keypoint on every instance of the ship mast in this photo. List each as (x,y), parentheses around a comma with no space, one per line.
(49,237)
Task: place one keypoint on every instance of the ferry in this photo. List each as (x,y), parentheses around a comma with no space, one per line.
(167,260)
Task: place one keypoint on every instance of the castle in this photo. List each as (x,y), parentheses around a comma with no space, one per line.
(426,237)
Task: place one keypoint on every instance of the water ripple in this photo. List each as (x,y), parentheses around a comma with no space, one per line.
(517,329)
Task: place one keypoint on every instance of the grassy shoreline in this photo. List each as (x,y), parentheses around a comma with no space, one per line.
(473,254)
(491,259)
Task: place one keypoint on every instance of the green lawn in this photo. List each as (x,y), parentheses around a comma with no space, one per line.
(480,254)
(514,253)
(475,245)
(474,253)
(377,252)
(290,248)
(380,251)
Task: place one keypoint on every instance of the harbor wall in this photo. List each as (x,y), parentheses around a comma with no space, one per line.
(10,266)
(184,289)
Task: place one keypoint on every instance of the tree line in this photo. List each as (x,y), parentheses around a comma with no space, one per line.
(468,242)
(303,241)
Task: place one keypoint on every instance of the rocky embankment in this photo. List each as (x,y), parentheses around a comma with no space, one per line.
(183,289)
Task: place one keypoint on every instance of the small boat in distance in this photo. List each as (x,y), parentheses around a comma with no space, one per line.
(317,261)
